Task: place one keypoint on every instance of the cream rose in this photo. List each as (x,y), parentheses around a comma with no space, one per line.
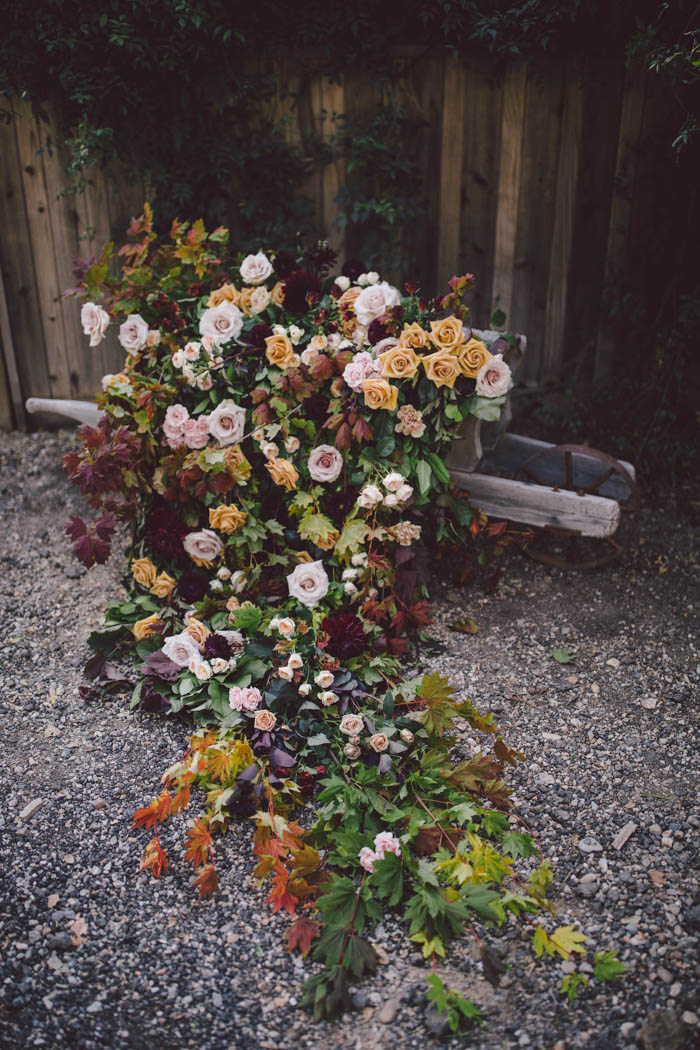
(94,320)
(180,648)
(255,268)
(379,742)
(325,679)
(221,323)
(133,333)
(203,547)
(259,300)
(351,725)
(308,583)
(494,378)
(375,301)
(265,720)
(325,463)
(227,422)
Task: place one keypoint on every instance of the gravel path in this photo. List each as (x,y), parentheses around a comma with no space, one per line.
(610,738)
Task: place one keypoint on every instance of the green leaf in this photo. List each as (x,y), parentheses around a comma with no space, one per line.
(516,844)
(564,656)
(423,473)
(540,943)
(607,966)
(567,940)
(388,879)
(570,985)
(318,740)
(352,537)
(316,528)
(359,957)
(498,319)
(438,468)
(337,904)
(479,898)
(488,408)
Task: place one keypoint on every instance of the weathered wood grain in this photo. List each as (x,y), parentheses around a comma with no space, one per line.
(11,406)
(537,505)
(509,187)
(451,166)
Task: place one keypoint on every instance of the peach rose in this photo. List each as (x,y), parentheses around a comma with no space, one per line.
(163,585)
(414,335)
(380,394)
(265,720)
(197,630)
(447,334)
(277,294)
(442,367)
(228,293)
(283,473)
(400,362)
(146,627)
(144,571)
(472,357)
(351,725)
(226,518)
(237,465)
(279,351)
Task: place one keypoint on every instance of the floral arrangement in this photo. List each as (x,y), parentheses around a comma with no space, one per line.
(275,439)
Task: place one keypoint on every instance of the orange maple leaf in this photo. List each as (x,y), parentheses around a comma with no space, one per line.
(280,896)
(182,799)
(199,843)
(154,858)
(207,881)
(158,811)
(300,934)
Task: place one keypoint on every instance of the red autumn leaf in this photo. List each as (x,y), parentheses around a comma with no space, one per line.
(158,811)
(207,881)
(300,934)
(343,437)
(362,431)
(199,843)
(182,799)
(496,529)
(154,858)
(342,359)
(474,528)
(321,367)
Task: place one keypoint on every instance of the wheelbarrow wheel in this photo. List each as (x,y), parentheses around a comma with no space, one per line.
(586,471)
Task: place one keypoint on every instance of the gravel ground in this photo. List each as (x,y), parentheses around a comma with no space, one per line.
(610,738)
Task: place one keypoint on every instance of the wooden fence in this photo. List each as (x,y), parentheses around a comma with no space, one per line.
(545,180)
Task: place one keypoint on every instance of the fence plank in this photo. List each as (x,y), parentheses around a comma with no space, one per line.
(562,231)
(39,208)
(508,186)
(11,402)
(482,143)
(451,165)
(19,277)
(542,125)
(623,191)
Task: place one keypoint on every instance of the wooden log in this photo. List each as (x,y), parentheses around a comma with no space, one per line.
(513,451)
(536,505)
(81,411)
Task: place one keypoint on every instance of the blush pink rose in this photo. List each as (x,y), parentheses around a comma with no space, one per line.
(325,463)
(221,323)
(94,320)
(133,333)
(196,432)
(493,379)
(375,301)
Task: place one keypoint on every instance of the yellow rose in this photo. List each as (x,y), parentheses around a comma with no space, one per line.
(237,465)
(380,394)
(226,518)
(244,301)
(283,472)
(228,293)
(277,294)
(198,630)
(447,334)
(163,585)
(442,367)
(148,626)
(472,356)
(144,571)
(279,351)
(413,335)
(399,362)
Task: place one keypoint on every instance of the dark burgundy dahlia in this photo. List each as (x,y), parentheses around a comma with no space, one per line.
(164,532)
(284,264)
(218,647)
(192,586)
(353,268)
(346,636)
(258,334)
(296,288)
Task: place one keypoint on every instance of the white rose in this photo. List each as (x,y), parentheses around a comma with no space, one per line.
(227,422)
(133,333)
(203,545)
(370,496)
(216,585)
(259,300)
(295,333)
(218,665)
(359,336)
(333,341)
(279,329)
(350,588)
(106,380)
(385,842)
(304,689)
(201,669)
(407,736)
(224,573)
(343,282)
(192,351)
(308,354)
(375,301)
(351,725)
(379,742)
(255,268)
(359,559)
(286,672)
(349,574)
(237,581)
(404,493)
(269,449)
(178,359)
(325,679)
(391,499)
(204,381)
(325,463)
(94,321)
(286,626)
(394,481)
(295,661)
(189,374)
(308,583)
(372,277)
(291,444)
(180,648)
(362,280)
(328,698)
(221,323)
(493,379)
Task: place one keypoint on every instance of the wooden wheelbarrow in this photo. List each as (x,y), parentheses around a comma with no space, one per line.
(574,495)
